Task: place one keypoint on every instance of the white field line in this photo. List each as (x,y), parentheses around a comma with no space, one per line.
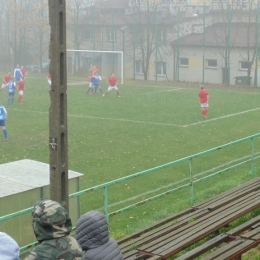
(162,86)
(196,89)
(103,118)
(147,122)
(167,186)
(221,117)
(147,85)
(180,181)
(77,83)
(170,90)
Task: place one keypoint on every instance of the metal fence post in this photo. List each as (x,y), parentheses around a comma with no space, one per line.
(252,157)
(191,183)
(105,190)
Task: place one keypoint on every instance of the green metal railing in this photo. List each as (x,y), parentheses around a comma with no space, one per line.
(189,184)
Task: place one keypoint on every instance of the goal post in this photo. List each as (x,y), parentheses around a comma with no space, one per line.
(108,62)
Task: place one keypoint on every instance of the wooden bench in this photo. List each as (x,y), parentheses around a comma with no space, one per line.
(230,238)
(170,236)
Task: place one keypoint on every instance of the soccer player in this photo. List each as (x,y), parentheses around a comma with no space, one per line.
(24,73)
(94,70)
(21,89)
(3,117)
(112,84)
(204,99)
(49,80)
(6,80)
(95,83)
(18,73)
(90,87)
(11,91)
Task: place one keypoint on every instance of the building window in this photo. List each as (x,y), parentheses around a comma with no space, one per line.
(88,35)
(161,68)
(139,67)
(212,63)
(184,62)
(111,35)
(244,65)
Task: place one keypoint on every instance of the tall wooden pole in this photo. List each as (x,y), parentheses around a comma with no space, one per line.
(58,132)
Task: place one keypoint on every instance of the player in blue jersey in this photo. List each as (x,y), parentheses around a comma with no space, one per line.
(18,75)
(11,91)
(3,116)
(95,82)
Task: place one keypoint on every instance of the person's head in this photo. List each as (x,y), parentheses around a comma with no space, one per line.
(17,66)
(50,220)
(92,230)
(9,249)
(201,86)
(113,75)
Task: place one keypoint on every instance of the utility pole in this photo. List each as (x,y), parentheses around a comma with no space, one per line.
(58,131)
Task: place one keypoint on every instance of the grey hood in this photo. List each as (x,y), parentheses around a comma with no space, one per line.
(92,230)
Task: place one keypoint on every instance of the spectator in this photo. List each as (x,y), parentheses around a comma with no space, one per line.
(93,236)
(52,226)
(9,249)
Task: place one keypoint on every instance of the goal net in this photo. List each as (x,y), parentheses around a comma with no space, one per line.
(79,63)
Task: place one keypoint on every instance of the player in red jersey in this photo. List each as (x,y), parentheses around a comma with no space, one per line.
(90,87)
(204,99)
(6,80)
(49,80)
(24,73)
(112,84)
(20,89)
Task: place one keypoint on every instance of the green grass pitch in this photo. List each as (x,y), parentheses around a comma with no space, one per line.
(150,124)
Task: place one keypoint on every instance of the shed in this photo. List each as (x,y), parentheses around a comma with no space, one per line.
(22,183)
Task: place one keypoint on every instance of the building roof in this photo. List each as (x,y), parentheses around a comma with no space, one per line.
(24,175)
(241,35)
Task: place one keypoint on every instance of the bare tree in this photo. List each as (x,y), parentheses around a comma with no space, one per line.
(78,21)
(147,18)
(249,32)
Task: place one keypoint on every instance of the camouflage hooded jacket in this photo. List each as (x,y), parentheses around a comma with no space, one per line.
(52,226)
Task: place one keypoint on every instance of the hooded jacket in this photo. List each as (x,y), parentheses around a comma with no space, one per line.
(52,226)
(9,249)
(93,236)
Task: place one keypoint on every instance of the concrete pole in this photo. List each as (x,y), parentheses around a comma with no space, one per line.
(58,132)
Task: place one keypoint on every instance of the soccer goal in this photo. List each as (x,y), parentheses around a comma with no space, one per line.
(108,62)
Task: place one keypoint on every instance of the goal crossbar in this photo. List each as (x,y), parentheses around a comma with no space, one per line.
(116,52)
